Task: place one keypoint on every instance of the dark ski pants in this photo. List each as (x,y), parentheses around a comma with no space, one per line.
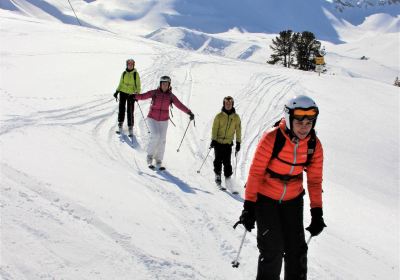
(280,234)
(223,156)
(123,100)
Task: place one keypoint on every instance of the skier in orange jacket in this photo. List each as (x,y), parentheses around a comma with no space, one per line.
(274,191)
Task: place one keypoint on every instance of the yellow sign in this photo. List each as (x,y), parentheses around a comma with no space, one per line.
(319,60)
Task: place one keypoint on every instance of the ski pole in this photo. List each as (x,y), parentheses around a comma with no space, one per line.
(309,239)
(148,130)
(209,150)
(183,136)
(235,263)
(235,164)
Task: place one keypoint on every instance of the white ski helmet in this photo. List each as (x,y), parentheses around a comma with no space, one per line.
(165,79)
(303,103)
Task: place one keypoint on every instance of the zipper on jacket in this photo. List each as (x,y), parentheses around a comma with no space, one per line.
(227,126)
(162,101)
(290,172)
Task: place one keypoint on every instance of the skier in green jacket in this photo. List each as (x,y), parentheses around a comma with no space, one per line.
(226,124)
(129,84)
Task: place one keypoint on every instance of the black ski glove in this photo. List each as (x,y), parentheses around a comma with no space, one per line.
(317,222)
(132,97)
(191,115)
(248,217)
(213,144)
(116,95)
(237,148)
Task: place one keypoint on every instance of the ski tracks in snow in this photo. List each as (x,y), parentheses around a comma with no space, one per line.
(55,208)
(262,98)
(84,113)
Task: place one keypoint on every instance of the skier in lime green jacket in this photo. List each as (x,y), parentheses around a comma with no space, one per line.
(226,126)
(129,84)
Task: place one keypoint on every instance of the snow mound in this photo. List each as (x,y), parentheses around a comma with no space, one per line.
(189,40)
(382,23)
(202,42)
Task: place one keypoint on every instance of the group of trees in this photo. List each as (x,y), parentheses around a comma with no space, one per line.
(294,49)
(397,82)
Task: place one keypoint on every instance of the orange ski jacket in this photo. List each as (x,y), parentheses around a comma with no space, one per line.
(260,181)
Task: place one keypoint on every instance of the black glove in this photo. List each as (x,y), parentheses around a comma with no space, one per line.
(213,144)
(317,222)
(191,115)
(132,97)
(116,95)
(237,148)
(248,217)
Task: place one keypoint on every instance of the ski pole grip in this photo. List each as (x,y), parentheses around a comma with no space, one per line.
(237,223)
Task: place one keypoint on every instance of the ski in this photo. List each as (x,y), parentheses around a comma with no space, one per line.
(152,167)
(220,187)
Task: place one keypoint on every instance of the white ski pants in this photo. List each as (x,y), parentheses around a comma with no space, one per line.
(156,146)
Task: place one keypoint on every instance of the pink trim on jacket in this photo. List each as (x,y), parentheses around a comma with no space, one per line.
(159,109)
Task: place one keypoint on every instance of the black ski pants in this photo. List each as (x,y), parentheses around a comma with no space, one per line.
(223,156)
(123,101)
(280,234)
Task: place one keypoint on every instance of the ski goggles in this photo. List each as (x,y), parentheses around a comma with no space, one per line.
(303,114)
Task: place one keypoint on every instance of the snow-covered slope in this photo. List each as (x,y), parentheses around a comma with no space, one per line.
(78,202)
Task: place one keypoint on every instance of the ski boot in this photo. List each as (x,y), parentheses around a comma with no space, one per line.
(120,130)
(230,185)
(218,181)
(150,162)
(159,165)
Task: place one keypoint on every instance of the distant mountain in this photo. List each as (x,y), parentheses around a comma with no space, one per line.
(209,16)
(341,5)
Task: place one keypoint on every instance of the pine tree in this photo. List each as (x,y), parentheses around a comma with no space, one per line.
(306,44)
(282,47)
(397,82)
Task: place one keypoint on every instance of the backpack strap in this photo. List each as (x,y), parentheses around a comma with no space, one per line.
(280,141)
(311,144)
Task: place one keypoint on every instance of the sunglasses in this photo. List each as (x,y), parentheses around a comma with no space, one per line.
(301,114)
